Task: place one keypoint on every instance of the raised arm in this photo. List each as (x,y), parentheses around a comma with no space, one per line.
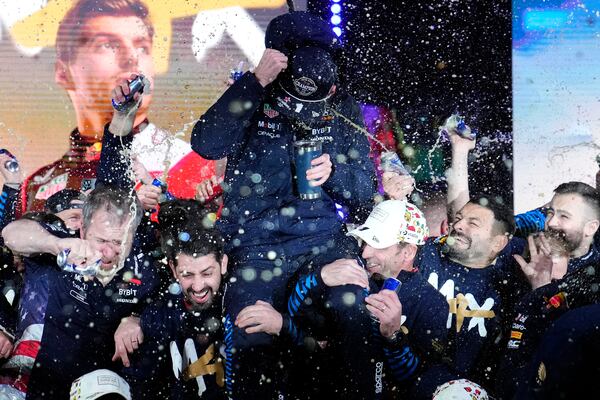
(26,237)
(220,131)
(458,174)
(10,191)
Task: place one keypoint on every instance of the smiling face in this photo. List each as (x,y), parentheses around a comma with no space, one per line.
(571,222)
(200,278)
(110,48)
(473,241)
(388,262)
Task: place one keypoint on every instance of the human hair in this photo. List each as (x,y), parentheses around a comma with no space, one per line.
(590,195)
(114,200)
(183,231)
(504,219)
(69,37)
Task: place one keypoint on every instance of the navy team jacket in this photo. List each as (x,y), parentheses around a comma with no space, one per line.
(261,209)
(422,343)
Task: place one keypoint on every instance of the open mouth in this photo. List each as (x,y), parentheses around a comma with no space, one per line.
(460,239)
(373,268)
(556,234)
(107,265)
(200,297)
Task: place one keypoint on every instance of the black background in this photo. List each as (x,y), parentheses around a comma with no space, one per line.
(427,60)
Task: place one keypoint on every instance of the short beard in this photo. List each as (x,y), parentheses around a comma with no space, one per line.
(455,253)
(459,255)
(199,306)
(560,239)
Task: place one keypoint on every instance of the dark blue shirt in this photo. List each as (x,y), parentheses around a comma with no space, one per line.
(481,304)
(192,337)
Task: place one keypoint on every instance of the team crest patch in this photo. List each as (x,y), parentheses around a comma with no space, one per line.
(269,112)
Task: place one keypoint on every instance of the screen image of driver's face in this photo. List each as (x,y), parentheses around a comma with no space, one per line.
(111,48)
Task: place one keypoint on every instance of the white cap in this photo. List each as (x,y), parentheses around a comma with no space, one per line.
(98,383)
(460,389)
(392,222)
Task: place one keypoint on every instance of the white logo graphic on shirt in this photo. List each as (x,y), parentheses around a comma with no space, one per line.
(379,377)
(188,366)
(464,306)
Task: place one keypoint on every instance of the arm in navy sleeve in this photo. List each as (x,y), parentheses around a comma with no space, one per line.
(401,359)
(161,322)
(353,182)
(113,168)
(8,203)
(220,131)
(311,285)
(426,343)
(290,333)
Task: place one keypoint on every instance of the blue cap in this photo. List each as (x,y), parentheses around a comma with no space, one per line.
(302,90)
(294,30)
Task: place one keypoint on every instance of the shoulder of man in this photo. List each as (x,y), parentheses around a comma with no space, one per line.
(144,268)
(431,248)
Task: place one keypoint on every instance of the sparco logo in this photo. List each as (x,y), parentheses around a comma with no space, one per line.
(378,375)
(305,86)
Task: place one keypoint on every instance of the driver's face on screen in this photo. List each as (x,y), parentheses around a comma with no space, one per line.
(111,48)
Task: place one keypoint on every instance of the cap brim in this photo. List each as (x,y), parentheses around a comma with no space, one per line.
(297,109)
(366,234)
(107,392)
(78,206)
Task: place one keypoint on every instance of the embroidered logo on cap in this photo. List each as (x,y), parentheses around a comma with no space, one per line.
(305,86)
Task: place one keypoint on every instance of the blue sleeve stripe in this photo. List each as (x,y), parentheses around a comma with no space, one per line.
(400,362)
(228,353)
(397,352)
(303,286)
(406,374)
(403,363)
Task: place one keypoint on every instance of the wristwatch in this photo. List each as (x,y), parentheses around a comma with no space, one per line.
(395,336)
